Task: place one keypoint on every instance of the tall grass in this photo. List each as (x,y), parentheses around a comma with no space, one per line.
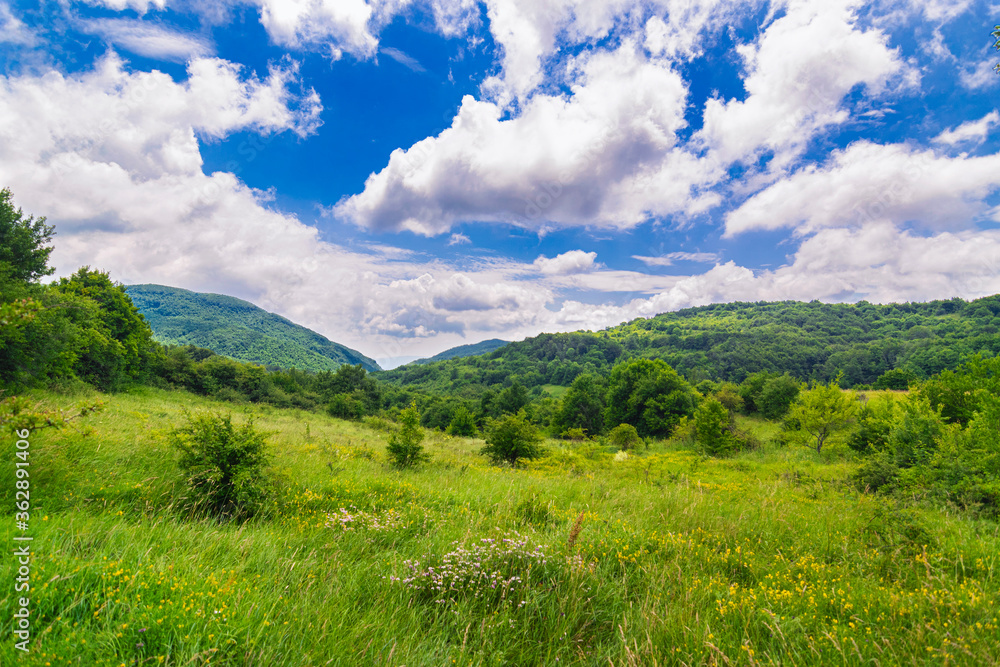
(664,558)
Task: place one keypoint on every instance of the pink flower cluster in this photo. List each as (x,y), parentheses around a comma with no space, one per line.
(344,519)
(492,570)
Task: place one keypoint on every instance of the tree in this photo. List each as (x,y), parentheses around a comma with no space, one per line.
(996,45)
(824,411)
(118,344)
(896,379)
(24,242)
(776,396)
(648,394)
(713,427)
(582,407)
(462,423)
(404,447)
(511,399)
(512,438)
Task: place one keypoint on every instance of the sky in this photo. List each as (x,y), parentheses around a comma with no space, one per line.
(404,176)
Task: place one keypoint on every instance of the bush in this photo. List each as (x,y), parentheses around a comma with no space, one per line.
(224,463)
(729,395)
(574,434)
(512,438)
(624,437)
(776,396)
(462,423)
(404,447)
(896,379)
(877,473)
(345,406)
(713,425)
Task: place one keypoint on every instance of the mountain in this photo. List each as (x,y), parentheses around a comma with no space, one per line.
(810,341)
(465,351)
(238,329)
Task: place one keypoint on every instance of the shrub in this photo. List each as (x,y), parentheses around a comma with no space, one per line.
(224,463)
(729,395)
(877,473)
(345,406)
(404,447)
(624,437)
(462,423)
(896,379)
(776,396)
(574,434)
(512,438)
(713,425)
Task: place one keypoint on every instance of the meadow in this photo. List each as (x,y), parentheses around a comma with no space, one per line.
(582,557)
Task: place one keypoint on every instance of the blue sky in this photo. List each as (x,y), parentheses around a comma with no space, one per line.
(408,175)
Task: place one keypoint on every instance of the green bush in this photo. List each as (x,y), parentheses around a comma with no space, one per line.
(512,438)
(462,423)
(225,464)
(776,396)
(404,447)
(624,437)
(713,425)
(345,406)
(878,473)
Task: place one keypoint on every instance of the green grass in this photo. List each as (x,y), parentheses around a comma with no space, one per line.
(765,558)
(555,390)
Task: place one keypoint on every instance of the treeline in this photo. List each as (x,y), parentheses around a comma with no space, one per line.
(864,344)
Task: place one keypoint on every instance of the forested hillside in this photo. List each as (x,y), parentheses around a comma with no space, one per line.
(465,351)
(238,329)
(810,341)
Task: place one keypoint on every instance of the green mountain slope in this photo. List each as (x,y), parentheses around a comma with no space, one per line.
(238,329)
(470,350)
(729,341)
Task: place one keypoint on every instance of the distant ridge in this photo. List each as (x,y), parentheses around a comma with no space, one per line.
(470,350)
(238,329)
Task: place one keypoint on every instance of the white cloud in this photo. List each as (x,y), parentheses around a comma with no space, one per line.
(304,23)
(403,59)
(572,261)
(870,182)
(978,74)
(671,257)
(973,130)
(13,30)
(601,156)
(150,40)
(799,72)
(141,6)
(459,239)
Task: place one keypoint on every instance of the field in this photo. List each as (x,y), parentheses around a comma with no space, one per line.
(663,557)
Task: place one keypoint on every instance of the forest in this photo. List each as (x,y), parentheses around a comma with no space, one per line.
(732,484)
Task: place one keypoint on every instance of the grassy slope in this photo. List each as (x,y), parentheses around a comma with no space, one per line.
(238,329)
(762,559)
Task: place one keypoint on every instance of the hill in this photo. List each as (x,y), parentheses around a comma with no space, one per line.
(238,329)
(470,350)
(729,341)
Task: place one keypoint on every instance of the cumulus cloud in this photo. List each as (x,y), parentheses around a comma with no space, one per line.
(150,40)
(798,74)
(459,239)
(573,261)
(871,182)
(601,156)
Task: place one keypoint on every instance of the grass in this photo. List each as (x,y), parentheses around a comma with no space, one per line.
(765,558)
